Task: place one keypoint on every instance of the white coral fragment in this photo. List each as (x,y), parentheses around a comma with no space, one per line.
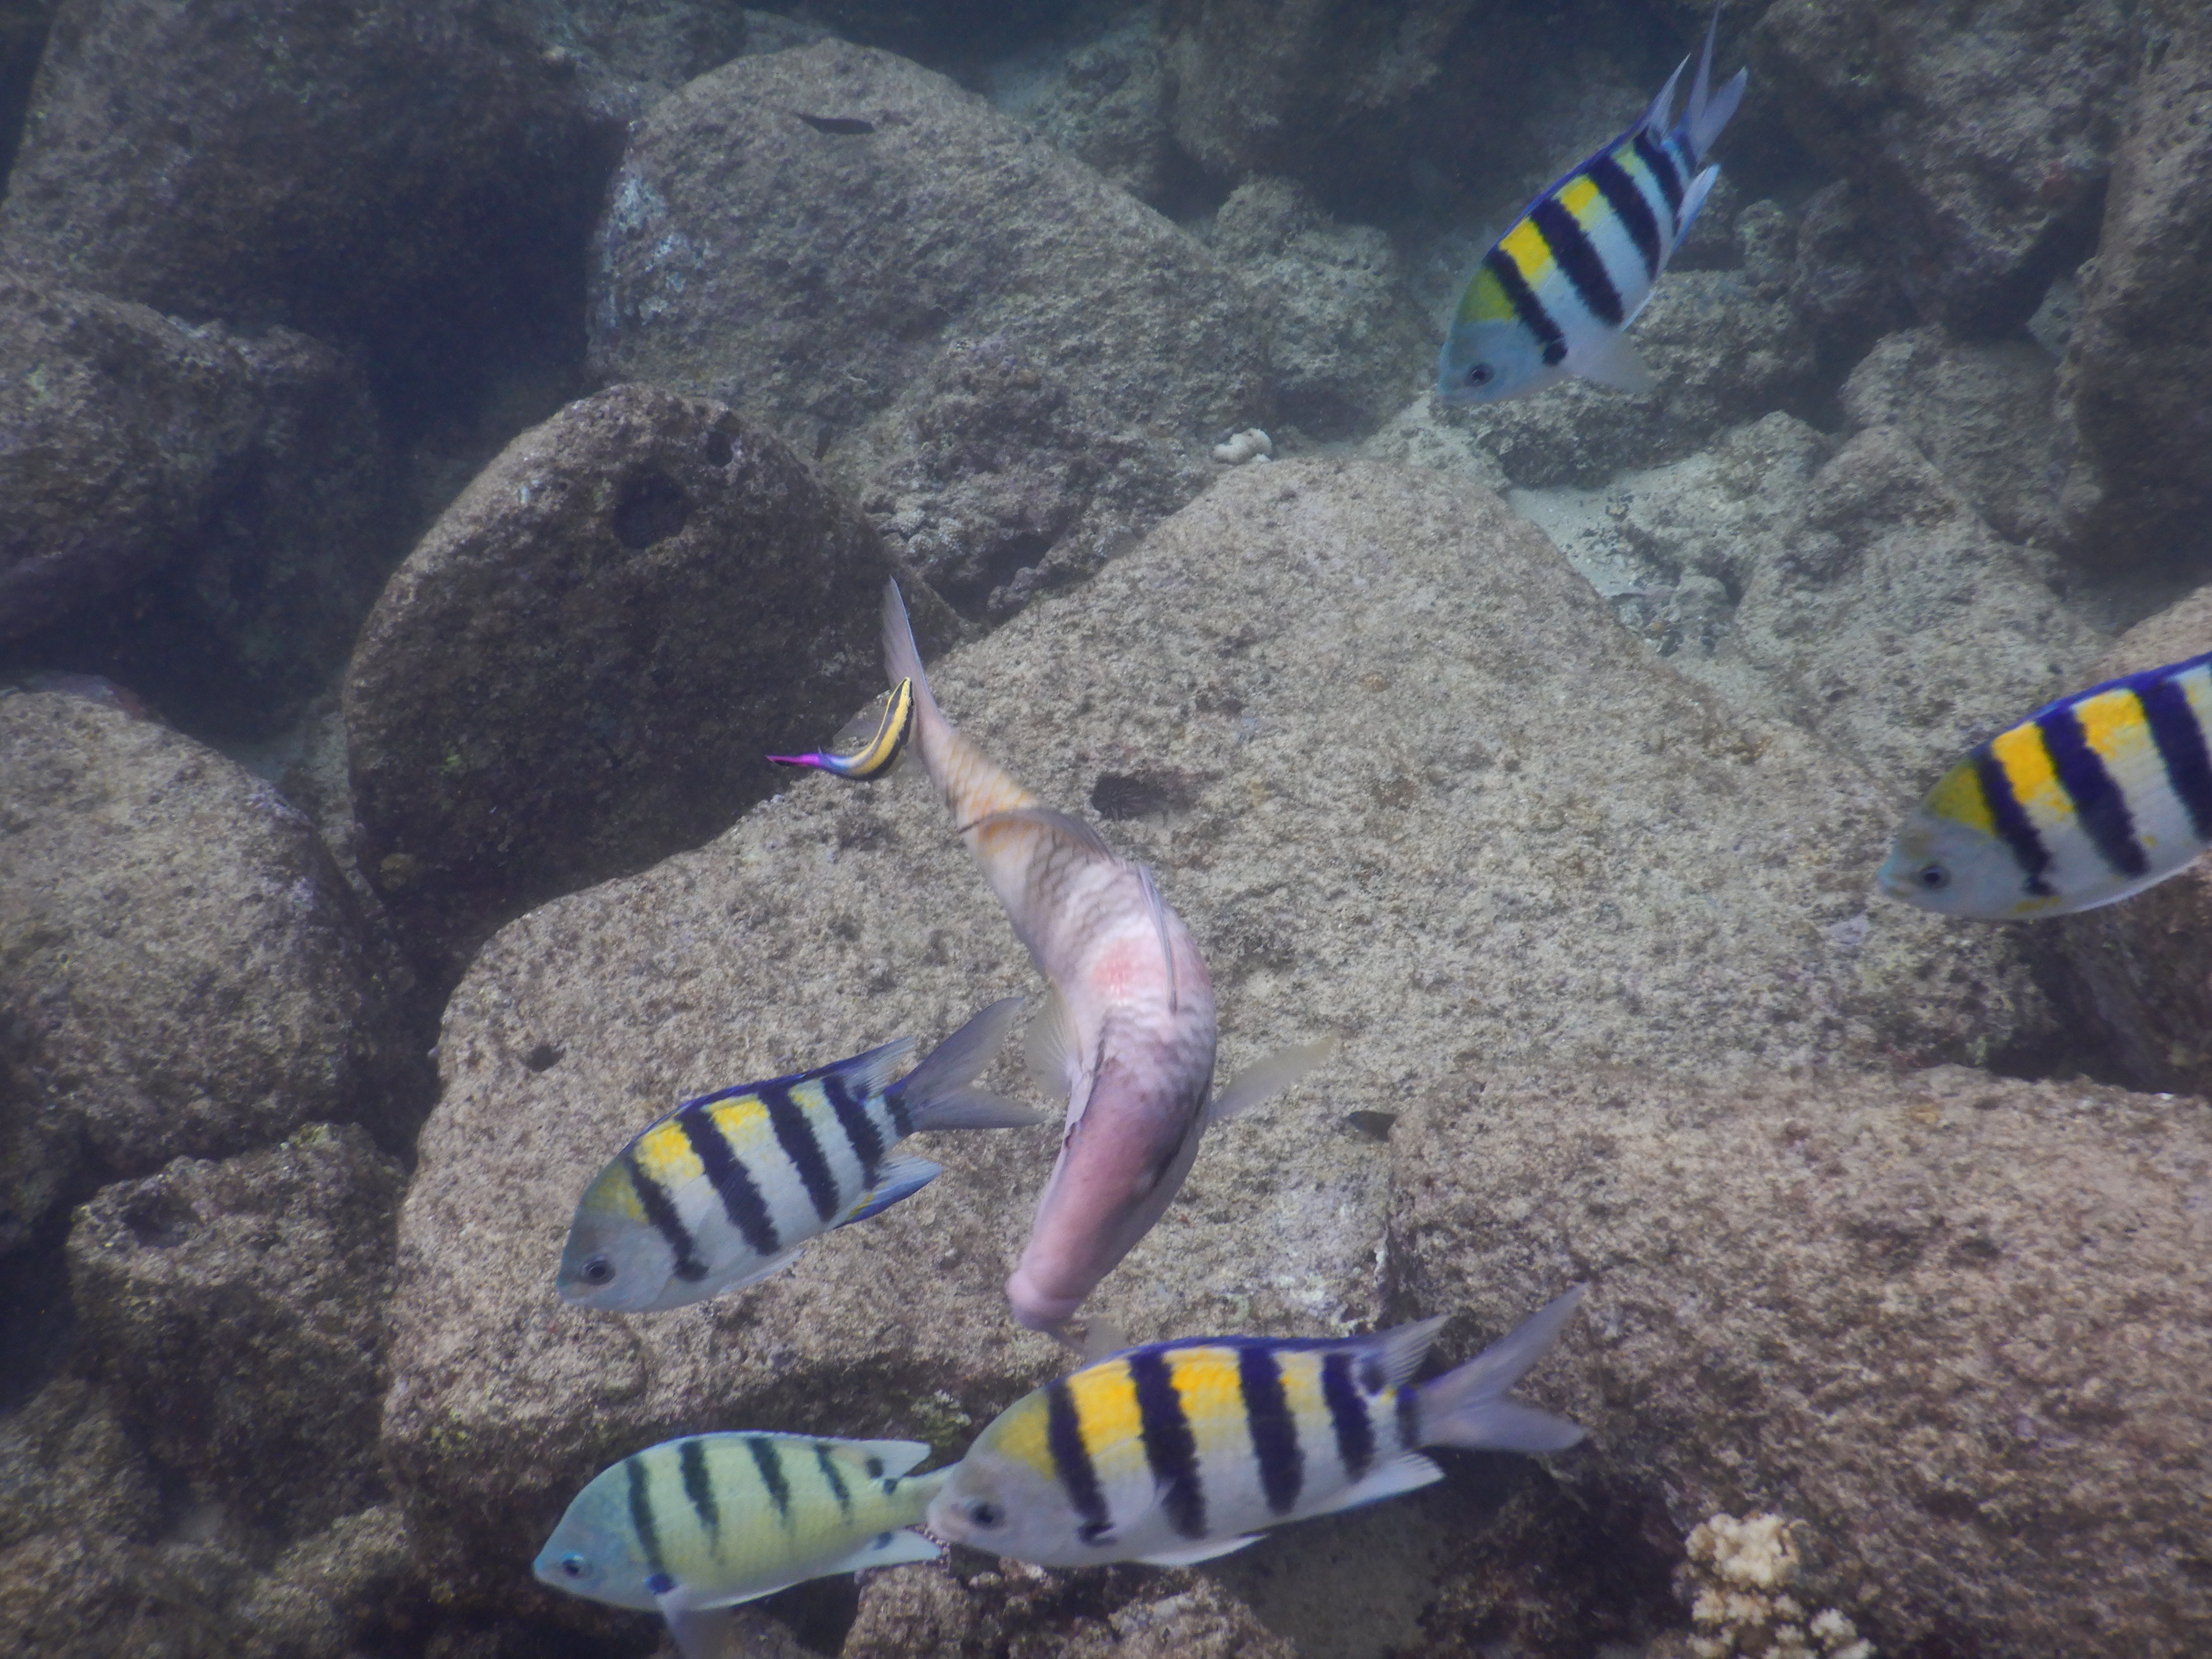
(1250,444)
(1738,1579)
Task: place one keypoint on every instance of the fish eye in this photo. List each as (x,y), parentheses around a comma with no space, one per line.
(598,1270)
(983,1513)
(1932,877)
(1481,375)
(575,1565)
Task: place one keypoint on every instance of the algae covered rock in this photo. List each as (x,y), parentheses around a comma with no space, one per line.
(1012,364)
(182,969)
(1951,1323)
(582,666)
(1408,782)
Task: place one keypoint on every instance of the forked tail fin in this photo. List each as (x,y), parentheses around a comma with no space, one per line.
(1709,110)
(936,1093)
(1468,1407)
(973,786)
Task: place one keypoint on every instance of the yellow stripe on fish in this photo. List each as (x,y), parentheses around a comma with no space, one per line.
(2092,798)
(1175,1452)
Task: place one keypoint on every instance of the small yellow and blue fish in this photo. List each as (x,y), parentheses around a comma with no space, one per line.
(1553,295)
(723,1190)
(1177,1452)
(704,1522)
(872,744)
(2099,795)
(1129,1032)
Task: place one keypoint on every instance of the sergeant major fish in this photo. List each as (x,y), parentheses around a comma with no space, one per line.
(693,1525)
(1177,1452)
(724,1189)
(1130,1032)
(1552,296)
(871,746)
(2096,796)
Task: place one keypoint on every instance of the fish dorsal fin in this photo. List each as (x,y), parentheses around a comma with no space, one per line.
(895,1456)
(1268,1079)
(1052,822)
(1657,118)
(1048,1046)
(1403,1348)
(1158,909)
(875,1071)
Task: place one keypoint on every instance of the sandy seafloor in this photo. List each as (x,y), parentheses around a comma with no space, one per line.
(444,446)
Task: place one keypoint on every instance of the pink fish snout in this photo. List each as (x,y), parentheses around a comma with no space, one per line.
(1036,1309)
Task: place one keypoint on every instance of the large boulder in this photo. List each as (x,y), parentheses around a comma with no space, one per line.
(583,665)
(238,1308)
(2141,353)
(1981,137)
(2144,963)
(182,972)
(1951,1325)
(1408,783)
(1012,364)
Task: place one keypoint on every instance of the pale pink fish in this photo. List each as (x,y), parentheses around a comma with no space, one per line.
(1130,1033)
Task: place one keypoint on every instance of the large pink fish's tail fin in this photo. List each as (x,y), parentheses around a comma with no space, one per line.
(973,786)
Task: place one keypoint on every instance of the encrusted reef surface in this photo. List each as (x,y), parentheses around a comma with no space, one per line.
(444,447)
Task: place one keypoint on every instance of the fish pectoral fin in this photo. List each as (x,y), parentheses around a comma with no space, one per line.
(903,1177)
(1197,1552)
(1611,361)
(768,1269)
(1268,1079)
(1157,907)
(889,1549)
(1401,1474)
(1048,1044)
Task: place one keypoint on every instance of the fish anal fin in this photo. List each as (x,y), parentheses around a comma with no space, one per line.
(903,1177)
(1401,1474)
(1049,1045)
(1268,1077)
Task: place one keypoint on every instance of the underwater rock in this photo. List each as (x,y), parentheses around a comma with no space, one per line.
(181,969)
(23,26)
(248,593)
(1981,137)
(1012,364)
(2146,963)
(627,58)
(1347,344)
(120,430)
(1103,102)
(583,665)
(1427,795)
(351,1588)
(1955,1325)
(240,1309)
(1723,350)
(1320,89)
(2141,354)
(89,1595)
(926,1612)
(389,175)
(68,1464)
(1906,630)
(1845,283)
(1980,411)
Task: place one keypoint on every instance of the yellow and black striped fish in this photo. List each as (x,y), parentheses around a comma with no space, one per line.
(872,744)
(712,1520)
(1552,296)
(2099,795)
(1180,1451)
(723,1190)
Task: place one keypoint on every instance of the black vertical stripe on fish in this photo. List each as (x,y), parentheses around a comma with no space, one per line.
(1629,206)
(1563,233)
(1347,1414)
(1653,154)
(1170,1446)
(640,1513)
(767,1458)
(1275,1430)
(1063,1438)
(2180,740)
(825,1459)
(699,1486)
(660,1210)
(2012,820)
(2099,800)
(1526,306)
(860,1132)
(796,1136)
(733,1183)
(895,1098)
(1409,1419)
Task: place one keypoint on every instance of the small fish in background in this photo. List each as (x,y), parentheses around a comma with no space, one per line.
(722,1191)
(1177,1452)
(2096,796)
(691,1526)
(1129,1032)
(872,744)
(1553,294)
